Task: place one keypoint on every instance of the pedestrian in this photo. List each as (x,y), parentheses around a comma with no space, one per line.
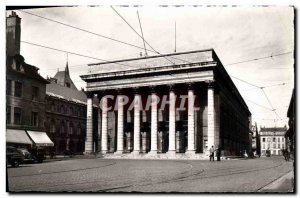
(211,154)
(218,154)
(245,155)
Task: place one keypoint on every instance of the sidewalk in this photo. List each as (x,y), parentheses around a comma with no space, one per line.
(284,184)
(67,157)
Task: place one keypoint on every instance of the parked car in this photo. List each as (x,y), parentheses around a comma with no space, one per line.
(28,157)
(38,154)
(14,157)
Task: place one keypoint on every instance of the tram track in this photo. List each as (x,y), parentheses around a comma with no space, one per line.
(190,174)
(56,172)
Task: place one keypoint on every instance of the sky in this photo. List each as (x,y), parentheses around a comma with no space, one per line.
(237,34)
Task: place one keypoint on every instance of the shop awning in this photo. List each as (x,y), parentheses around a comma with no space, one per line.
(40,138)
(17,137)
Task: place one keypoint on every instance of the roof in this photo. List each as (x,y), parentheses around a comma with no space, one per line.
(273,129)
(29,70)
(66,93)
(63,77)
(153,61)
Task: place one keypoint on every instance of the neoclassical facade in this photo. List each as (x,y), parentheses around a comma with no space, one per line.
(166,105)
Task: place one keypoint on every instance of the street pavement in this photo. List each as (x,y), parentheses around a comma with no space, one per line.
(108,175)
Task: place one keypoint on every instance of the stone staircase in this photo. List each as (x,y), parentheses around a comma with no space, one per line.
(162,156)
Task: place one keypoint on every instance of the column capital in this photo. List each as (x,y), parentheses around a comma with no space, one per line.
(119,91)
(190,86)
(210,83)
(89,94)
(100,94)
(136,90)
(153,89)
(171,87)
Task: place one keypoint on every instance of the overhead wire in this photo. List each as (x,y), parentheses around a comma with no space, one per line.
(87,31)
(255,59)
(74,53)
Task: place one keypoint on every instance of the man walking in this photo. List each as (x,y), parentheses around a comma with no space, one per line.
(211,154)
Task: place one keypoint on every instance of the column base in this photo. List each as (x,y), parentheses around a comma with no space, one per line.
(152,153)
(88,153)
(119,152)
(190,152)
(171,153)
(103,152)
(135,152)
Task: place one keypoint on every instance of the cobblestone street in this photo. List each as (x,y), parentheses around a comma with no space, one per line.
(103,175)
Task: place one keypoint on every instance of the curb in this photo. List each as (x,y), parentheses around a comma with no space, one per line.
(271,187)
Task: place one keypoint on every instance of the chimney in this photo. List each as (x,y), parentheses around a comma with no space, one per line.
(13,34)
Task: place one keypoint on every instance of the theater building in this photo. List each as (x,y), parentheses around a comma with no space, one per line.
(166,106)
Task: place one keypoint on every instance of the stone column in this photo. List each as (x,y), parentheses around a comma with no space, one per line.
(172,121)
(89,125)
(99,125)
(154,101)
(137,123)
(191,121)
(120,131)
(210,116)
(104,108)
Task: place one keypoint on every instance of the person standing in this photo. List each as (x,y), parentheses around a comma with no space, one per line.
(211,154)
(218,154)
(245,154)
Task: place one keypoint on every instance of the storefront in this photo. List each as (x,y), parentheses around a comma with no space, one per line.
(18,138)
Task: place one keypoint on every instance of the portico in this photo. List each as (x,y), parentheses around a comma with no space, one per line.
(162,108)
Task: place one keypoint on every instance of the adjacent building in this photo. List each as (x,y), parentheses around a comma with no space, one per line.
(290,133)
(255,141)
(272,139)
(213,114)
(25,94)
(66,114)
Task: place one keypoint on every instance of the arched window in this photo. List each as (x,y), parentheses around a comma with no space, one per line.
(71,111)
(62,127)
(62,109)
(52,126)
(71,128)
(52,108)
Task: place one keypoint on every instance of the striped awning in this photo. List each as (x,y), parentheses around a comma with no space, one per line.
(40,138)
(17,137)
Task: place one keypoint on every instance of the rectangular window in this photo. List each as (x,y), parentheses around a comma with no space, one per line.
(282,146)
(274,139)
(34,118)
(17,115)
(278,139)
(264,139)
(278,146)
(282,139)
(274,146)
(18,89)
(8,87)
(264,146)
(35,93)
(8,114)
